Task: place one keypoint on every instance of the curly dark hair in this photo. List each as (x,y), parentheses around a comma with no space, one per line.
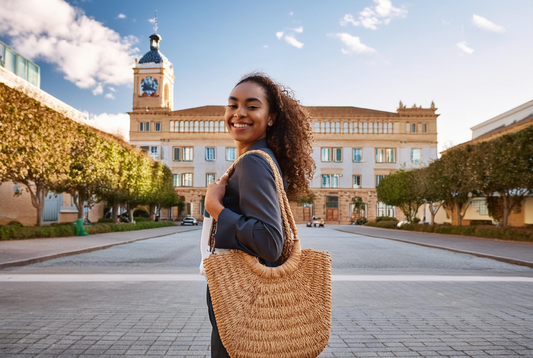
(291,135)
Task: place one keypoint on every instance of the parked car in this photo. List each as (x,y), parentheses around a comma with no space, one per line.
(189,220)
(316,221)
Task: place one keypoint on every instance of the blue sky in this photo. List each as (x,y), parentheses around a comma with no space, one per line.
(473,58)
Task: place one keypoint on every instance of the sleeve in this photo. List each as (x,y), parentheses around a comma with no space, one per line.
(259,229)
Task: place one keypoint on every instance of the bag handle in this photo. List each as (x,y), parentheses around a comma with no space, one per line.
(286,213)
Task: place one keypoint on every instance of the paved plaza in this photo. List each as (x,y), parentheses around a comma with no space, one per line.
(390,299)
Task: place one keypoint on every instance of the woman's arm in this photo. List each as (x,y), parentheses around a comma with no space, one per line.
(259,229)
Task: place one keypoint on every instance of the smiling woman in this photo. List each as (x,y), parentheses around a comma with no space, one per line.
(260,115)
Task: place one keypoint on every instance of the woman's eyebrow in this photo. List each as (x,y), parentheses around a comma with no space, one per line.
(251,99)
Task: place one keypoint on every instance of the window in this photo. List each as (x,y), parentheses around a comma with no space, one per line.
(21,67)
(144,127)
(326,183)
(379,128)
(157,126)
(346,126)
(210,154)
(222,126)
(177,180)
(177,154)
(317,127)
(385,210)
(389,125)
(196,126)
(216,126)
(209,178)
(211,126)
(182,126)
(326,154)
(387,155)
(416,155)
(328,128)
(425,128)
(172,126)
(10,61)
(187,154)
(355,127)
(154,152)
(413,128)
(338,127)
(370,127)
(230,154)
(201,126)
(407,128)
(337,155)
(356,181)
(323,127)
(365,127)
(357,155)
(481,207)
(379,178)
(186,179)
(186,126)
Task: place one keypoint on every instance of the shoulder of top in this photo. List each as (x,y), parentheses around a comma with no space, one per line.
(255,161)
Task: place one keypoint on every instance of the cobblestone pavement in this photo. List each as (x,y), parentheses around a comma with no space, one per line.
(397,318)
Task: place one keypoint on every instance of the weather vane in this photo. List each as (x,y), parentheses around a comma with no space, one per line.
(155,23)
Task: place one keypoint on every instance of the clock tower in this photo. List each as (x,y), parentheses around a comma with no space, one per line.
(153,83)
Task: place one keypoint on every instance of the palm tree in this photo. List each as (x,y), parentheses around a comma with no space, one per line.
(358,207)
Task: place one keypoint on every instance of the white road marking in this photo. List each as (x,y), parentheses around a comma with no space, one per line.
(192,277)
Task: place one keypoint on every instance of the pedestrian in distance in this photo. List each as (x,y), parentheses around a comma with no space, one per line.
(260,115)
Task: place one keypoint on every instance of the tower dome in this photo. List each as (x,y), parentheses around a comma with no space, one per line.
(154,55)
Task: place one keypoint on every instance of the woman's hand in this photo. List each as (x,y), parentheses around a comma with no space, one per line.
(213,197)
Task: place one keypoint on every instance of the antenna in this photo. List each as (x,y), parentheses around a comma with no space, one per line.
(155,23)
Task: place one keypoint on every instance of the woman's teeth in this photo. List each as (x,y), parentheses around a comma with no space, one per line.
(239,125)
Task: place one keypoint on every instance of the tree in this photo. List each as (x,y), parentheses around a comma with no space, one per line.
(454,180)
(426,177)
(401,189)
(358,207)
(162,194)
(34,142)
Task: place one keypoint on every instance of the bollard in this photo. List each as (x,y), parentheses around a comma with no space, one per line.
(79,228)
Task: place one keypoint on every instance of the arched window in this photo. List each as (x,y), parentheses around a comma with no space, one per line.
(370,127)
(182,126)
(201,126)
(328,127)
(390,127)
(323,127)
(355,127)
(211,126)
(222,126)
(317,127)
(186,126)
(380,127)
(196,126)
(413,128)
(346,127)
(338,127)
(365,127)
(216,126)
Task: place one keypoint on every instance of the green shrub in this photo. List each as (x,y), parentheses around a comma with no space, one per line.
(489,231)
(15,224)
(140,218)
(141,213)
(416,220)
(105,220)
(418,227)
(480,222)
(519,234)
(361,221)
(383,224)
(385,218)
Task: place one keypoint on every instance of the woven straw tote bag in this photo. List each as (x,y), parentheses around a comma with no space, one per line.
(267,312)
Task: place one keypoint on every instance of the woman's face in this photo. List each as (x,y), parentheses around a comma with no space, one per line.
(247,113)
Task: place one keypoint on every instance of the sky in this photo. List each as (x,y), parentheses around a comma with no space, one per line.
(473,58)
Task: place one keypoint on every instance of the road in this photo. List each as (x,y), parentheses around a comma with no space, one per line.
(389,299)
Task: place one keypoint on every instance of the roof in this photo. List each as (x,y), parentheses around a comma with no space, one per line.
(154,56)
(314,111)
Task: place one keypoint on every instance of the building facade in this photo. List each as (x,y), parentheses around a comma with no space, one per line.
(354,147)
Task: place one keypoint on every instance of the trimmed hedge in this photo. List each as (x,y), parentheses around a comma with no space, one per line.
(385,218)
(486,231)
(32,232)
(383,224)
(140,218)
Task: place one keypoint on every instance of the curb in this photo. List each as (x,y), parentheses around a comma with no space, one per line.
(75,252)
(478,254)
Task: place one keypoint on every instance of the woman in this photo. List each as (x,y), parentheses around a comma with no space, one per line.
(260,114)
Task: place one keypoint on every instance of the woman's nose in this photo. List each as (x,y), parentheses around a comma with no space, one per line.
(241,112)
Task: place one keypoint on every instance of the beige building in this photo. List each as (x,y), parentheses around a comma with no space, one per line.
(354,147)
(510,121)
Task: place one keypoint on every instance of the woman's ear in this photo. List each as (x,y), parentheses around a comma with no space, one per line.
(272,118)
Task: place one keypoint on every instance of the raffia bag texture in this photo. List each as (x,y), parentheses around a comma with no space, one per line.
(266,312)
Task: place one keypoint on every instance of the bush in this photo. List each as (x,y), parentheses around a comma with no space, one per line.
(480,222)
(416,220)
(140,213)
(385,218)
(361,221)
(15,224)
(383,224)
(418,227)
(140,218)
(59,230)
(105,220)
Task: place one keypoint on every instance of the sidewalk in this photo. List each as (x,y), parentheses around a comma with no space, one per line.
(24,252)
(514,252)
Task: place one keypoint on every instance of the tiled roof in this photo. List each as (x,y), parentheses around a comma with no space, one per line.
(153,56)
(314,111)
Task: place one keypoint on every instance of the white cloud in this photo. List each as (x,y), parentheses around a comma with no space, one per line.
(98,90)
(152,20)
(111,123)
(112,89)
(291,13)
(279,35)
(382,13)
(109,96)
(463,46)
(121,16)
(87,52)
(353,44)
(292,41)
(485,24)
(299,29)
(265,46)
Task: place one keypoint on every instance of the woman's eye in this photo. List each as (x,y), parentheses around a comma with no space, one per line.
(232,106)
(253,107)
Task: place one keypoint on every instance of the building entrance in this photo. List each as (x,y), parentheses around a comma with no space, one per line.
(332,208)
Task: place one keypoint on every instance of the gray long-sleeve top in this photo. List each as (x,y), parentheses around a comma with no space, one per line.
(251,219)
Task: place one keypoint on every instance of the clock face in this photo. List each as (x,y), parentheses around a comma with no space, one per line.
(148,87)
